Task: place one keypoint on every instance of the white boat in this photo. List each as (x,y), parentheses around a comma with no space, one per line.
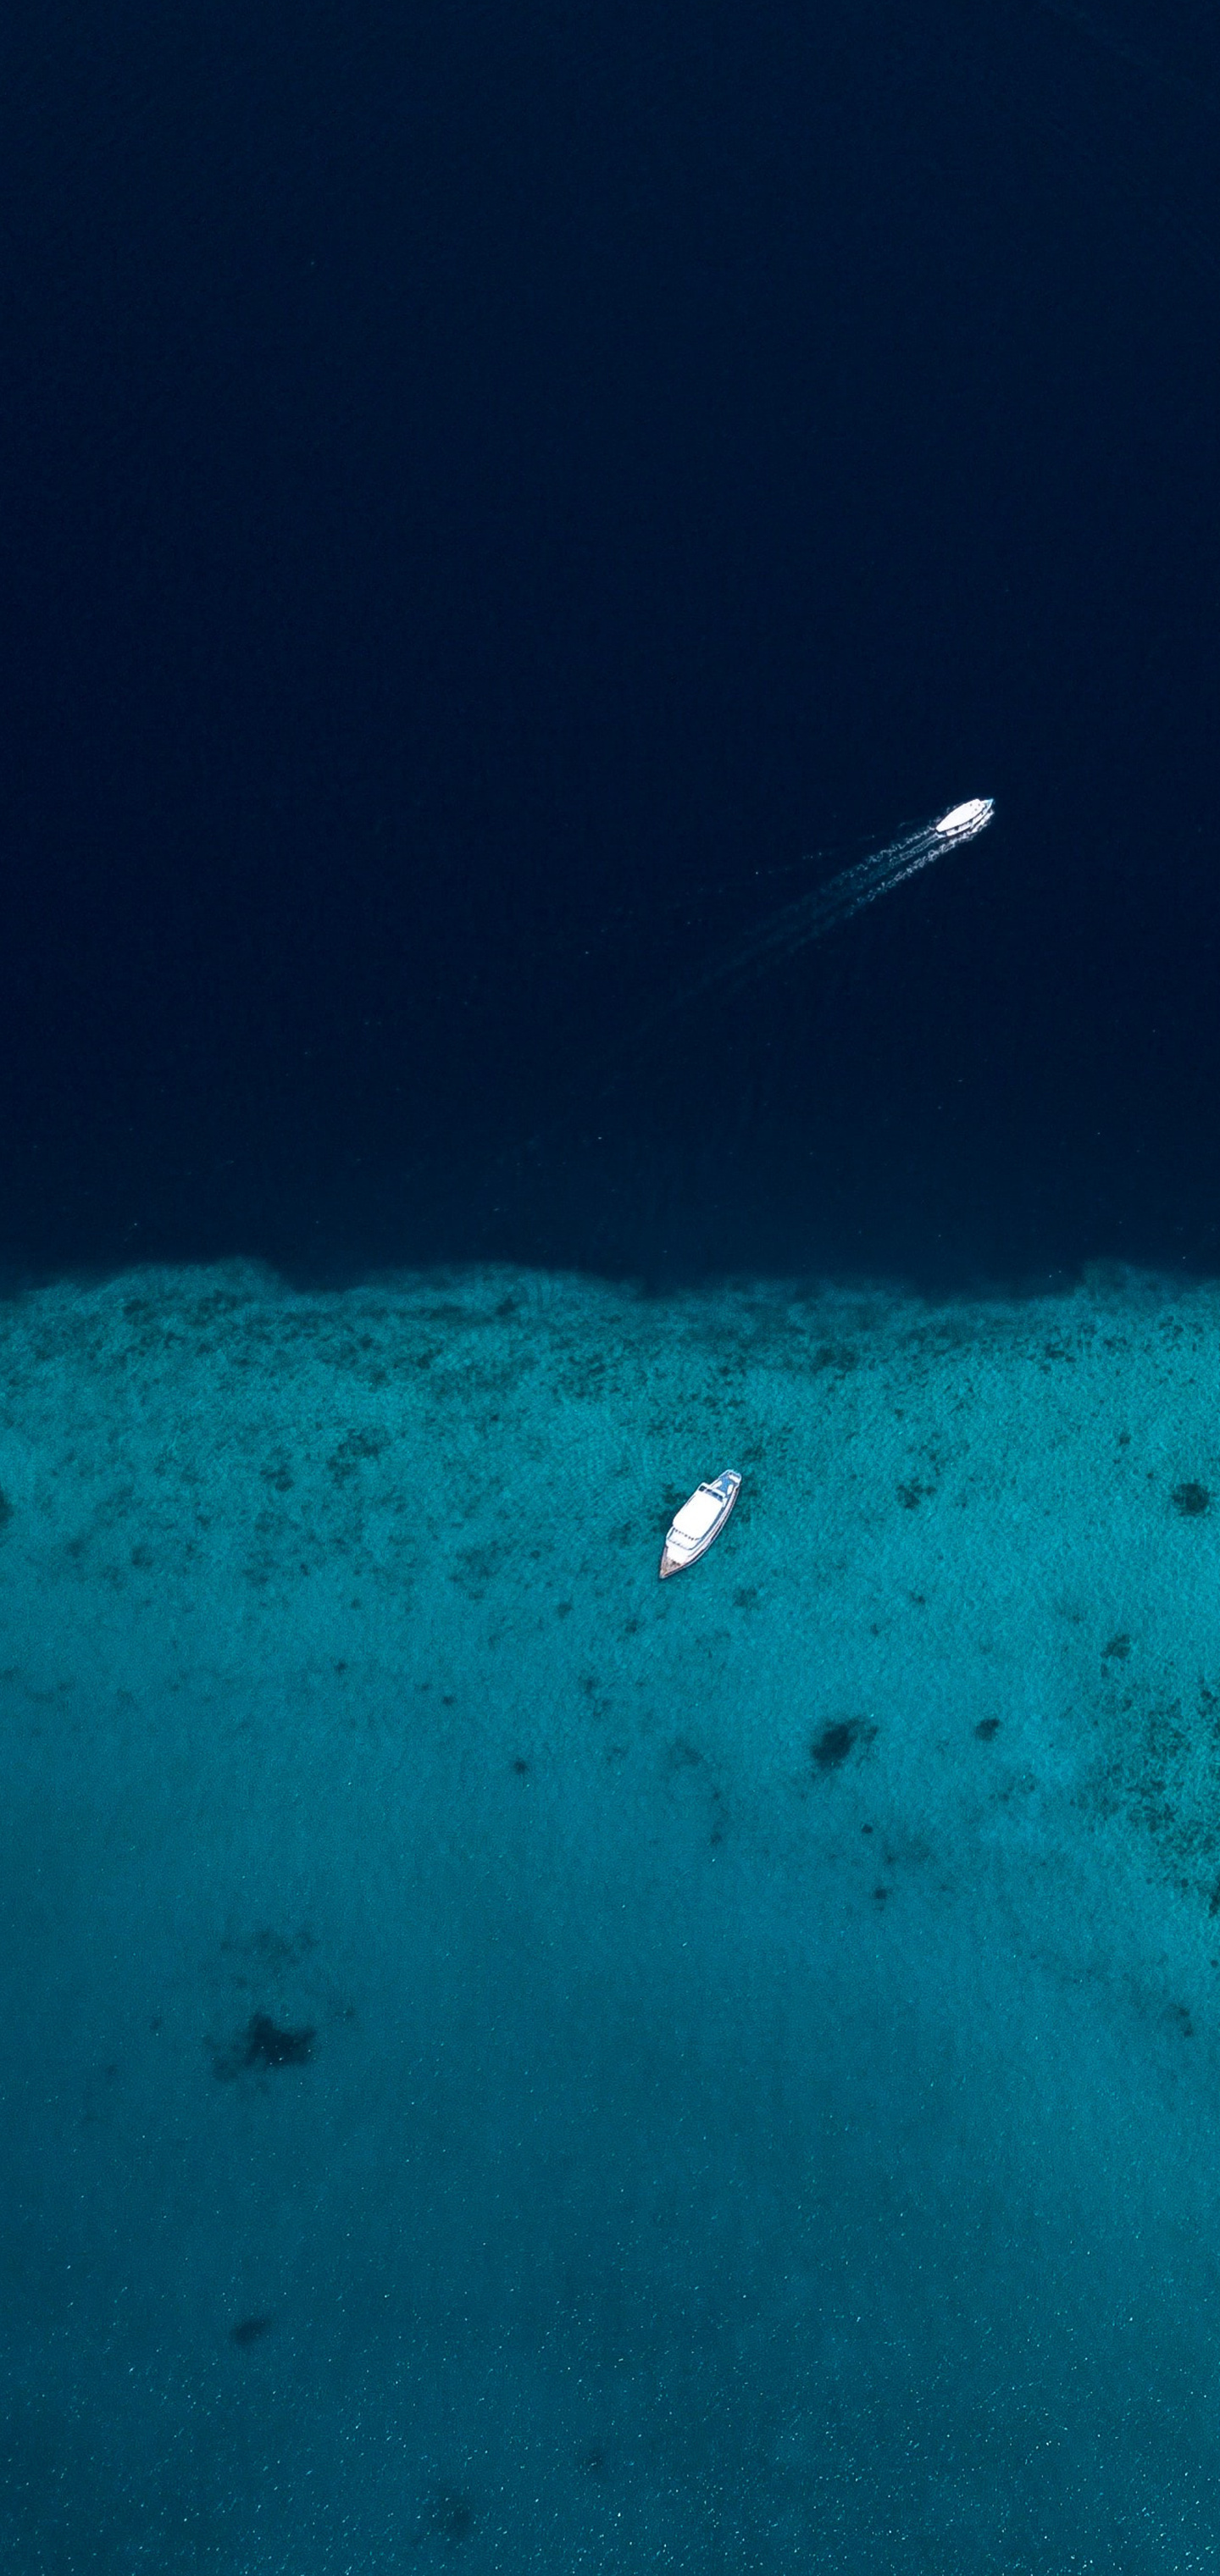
(692,1530)
(962,822)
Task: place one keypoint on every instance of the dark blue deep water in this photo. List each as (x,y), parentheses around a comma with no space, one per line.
(476,481)
(508,2067)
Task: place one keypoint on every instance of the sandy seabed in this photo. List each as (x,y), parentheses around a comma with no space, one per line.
(512,2067)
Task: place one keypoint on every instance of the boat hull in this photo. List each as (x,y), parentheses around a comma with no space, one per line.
(680,1549)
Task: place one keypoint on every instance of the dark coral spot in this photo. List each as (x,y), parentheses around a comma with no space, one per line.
(263,2043)
(250,2330)
(1118,1648)
(986,1728)
(267,2044)
(836,1741)
(1191,1500)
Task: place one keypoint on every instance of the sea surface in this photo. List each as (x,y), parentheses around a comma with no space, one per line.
(508,2067)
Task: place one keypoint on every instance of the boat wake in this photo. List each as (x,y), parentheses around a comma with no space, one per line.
(797,925)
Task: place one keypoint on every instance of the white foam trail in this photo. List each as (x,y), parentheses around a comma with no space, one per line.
(797,925)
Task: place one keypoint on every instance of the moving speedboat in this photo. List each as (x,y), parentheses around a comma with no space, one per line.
(692,1530)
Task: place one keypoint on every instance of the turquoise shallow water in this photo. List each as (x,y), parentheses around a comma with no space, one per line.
(514,2067)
